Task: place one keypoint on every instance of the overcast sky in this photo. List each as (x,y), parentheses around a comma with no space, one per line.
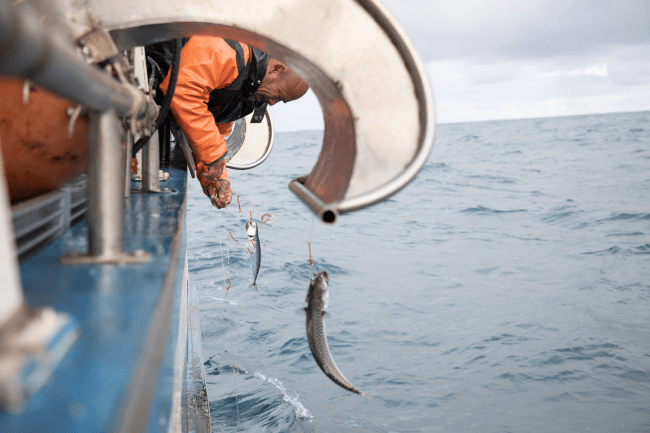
(507,59)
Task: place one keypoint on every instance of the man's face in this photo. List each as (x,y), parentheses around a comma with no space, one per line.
(278,86)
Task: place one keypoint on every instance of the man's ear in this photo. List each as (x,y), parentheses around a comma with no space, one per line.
(279,68)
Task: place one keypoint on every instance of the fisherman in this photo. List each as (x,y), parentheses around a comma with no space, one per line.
(220,81)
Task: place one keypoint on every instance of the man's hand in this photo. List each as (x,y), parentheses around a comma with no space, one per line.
(222,195)
(215,170)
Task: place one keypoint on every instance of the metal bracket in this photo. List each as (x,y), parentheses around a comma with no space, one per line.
(98,46)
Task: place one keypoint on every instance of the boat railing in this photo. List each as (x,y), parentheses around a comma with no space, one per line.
(44,218)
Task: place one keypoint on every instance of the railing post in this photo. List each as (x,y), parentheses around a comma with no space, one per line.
(151,165)
(106,185)
(11,293)
(105,192)
(127,165)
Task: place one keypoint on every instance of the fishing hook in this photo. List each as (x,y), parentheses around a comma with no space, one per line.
(249,250)
(311,262)
(238,205)
(233,238)
(228,288)
(251,217)
(233,366)
(268,215)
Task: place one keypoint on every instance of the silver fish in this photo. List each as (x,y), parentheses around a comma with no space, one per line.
(316,303)
(253,236)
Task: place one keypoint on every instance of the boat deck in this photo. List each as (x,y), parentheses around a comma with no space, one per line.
(117,375)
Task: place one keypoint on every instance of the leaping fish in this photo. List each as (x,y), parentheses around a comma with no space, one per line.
(253,236)
(316,303)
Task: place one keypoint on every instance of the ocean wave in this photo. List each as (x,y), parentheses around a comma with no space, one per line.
(615,250)
(231,302)
(488,211)
(627,217)
(428,311)
(300,410)
(625,234)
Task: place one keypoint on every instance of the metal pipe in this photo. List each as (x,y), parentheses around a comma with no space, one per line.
(151,165)
(12,299)
(105,192)
(327,213)
(28,51)
(126,159)
(165,146)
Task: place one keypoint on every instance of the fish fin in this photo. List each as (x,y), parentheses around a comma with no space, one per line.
(254,285)
(301,311)
(326,315)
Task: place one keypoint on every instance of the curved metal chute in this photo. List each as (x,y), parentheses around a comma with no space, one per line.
(372,87)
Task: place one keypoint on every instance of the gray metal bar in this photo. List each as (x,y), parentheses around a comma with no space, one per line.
(127,166)
(29,215)
(180,360)
(326,212)
(11,293)
(151,165)
(44,57)
(105,192)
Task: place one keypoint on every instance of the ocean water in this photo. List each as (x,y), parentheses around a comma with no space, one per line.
(506,289)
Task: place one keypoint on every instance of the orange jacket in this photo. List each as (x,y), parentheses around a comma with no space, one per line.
(207,63)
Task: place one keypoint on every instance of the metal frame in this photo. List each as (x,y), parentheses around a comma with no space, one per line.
(106,195)
(358,61)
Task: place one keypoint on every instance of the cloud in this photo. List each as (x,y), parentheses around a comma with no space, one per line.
(471,90)
(514,59)
(521,29)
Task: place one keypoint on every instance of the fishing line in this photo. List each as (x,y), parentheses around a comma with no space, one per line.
(223,270)
(234,372)
(228,319)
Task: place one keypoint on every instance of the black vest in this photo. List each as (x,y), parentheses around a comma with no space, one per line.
(233,101)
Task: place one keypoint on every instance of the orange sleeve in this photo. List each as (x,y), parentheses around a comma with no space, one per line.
(207,63)
(225,129)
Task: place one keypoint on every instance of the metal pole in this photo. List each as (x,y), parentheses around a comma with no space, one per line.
(163,135)
(327,212)
(151,165)
(45,56)
(105,192)
(127,166)
(11,292)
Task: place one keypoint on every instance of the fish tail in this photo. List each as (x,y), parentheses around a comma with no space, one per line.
(254,285)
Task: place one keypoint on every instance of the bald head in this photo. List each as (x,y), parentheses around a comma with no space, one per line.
(280,83)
